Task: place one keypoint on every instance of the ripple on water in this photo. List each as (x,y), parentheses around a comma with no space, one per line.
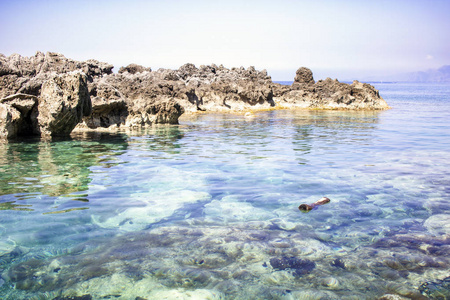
(179,213)
(438,224)
(6,246)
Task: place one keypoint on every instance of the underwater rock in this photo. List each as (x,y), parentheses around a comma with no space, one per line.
(438,224)
(309,207)
(392,297)
(84,297)
(6,246)
(157,207)
(438,289)
(299,267)
(331,282)
(232,209)
(338,263)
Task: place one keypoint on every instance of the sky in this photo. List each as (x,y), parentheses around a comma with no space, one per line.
(338,39)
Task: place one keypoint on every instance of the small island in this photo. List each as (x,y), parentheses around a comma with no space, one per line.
(51,95)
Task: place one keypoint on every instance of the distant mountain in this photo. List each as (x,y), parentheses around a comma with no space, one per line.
(441,75)
(437,75)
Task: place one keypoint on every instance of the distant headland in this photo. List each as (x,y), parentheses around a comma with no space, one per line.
(50,95)
(441,75)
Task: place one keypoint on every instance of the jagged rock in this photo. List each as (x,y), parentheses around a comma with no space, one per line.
(331,94)
(23,102)
(133,69)
(138,96)
(108,106)
(17,115)
(134,100)
(303,76)
(94,67)
(216,88)
(9,121)
(20,74)
(299,267)
(50,62)
(64,100)
(143,113)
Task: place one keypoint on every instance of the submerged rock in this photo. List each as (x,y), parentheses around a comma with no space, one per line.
(299,267)
(438,289)
(438,224)
(84,297)
(392,297)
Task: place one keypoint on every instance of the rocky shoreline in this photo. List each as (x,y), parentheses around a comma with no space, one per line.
(51,95)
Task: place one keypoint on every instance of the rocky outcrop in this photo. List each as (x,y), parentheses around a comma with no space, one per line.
(133,99)
(303,76)
(41,95)
(137,96)
(29,110)
(213,88)
(63,102)
(26,75)
(327,94)
(17,115)
(191,89)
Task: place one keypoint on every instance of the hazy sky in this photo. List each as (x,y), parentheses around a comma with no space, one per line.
(343,39)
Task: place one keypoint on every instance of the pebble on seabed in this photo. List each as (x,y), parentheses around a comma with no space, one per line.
(330,282)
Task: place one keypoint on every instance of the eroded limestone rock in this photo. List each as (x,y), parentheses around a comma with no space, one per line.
(138,96)
(17,115)
(63,102)
(328,94)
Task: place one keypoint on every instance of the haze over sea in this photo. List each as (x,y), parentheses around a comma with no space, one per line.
(208,209)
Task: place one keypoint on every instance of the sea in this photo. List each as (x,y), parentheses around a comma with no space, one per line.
(208,209)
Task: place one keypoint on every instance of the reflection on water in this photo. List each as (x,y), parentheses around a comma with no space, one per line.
(54,169)
(208,209)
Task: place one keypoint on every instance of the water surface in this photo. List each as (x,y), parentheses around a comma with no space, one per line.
(208,209)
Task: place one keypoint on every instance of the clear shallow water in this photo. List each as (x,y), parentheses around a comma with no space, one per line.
(208,209)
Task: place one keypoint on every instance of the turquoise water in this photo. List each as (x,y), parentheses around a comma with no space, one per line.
(208,209)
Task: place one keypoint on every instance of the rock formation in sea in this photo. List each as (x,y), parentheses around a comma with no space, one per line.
(49,94)
(327,94)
